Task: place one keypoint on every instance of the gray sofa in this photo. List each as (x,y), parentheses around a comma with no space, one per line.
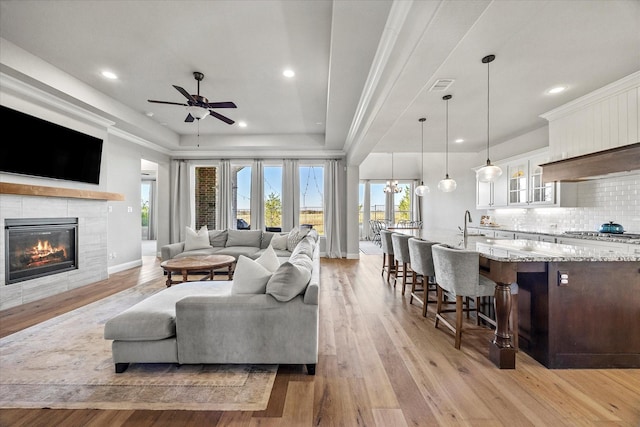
(250,243)
(209,322)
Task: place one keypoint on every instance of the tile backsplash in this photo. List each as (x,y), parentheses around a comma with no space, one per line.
(598,201)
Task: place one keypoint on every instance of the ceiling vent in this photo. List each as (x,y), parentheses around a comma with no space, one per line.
(441,85)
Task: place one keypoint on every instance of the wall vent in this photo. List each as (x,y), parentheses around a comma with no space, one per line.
(441,85)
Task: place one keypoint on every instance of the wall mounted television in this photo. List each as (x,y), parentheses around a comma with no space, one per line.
(45,149)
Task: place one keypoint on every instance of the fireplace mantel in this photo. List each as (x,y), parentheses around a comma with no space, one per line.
(42,191)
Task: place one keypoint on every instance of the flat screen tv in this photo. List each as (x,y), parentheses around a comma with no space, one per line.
(44,149)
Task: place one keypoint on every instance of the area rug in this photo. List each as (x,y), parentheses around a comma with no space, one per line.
(66,363)
(370,248)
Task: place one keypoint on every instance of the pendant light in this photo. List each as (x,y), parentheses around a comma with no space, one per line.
(489,172)
(447,185)
(422,189)
(392,185)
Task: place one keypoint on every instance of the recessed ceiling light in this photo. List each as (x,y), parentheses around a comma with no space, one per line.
(109,75)
(242,124)
(459,140)
(288,73)
(149,113)
(557,89)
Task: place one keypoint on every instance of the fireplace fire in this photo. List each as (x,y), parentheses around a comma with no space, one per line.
(37,247)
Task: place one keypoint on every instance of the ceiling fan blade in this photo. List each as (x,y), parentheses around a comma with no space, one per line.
(167,102)
(186,94)
(227,120)
(189,118)
(221,105)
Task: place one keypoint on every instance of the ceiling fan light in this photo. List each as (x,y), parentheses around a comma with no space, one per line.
(447,185)
(198,112)
(488,173)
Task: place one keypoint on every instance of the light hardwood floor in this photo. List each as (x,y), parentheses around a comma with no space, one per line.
(380,364)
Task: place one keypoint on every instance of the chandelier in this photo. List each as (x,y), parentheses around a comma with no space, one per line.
(392,184)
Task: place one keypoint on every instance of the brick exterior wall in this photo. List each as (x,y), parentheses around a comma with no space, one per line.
(206,197)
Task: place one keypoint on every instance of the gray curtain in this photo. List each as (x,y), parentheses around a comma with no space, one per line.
(366,212)
(290,194)
(180,203)
(389,210)
(225,201)
(333,209)
(257,195)
(416,201)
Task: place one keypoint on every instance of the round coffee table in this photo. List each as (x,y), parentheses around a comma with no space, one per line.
(197,264)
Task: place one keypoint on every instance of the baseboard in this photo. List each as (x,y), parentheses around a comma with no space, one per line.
(353,256)
(121,267)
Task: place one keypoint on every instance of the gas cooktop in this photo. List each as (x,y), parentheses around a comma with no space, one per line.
(598,234)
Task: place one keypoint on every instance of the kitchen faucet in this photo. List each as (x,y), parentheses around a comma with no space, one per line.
(467,214)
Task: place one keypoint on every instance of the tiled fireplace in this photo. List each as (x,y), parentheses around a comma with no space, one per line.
(38,247)
(81,226)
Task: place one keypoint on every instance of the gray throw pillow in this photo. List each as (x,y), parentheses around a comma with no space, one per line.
(244,238)
(304,246)
(295,235)
(279,242)
(218,238)
(288,281)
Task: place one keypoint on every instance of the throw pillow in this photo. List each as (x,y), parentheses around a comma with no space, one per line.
(304,246)
(218,238)
(269,259)
(279,242)
(295,235)
(288,281)
(244,238)
(249,277)
(196,240)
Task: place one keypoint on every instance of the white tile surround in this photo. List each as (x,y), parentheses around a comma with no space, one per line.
(92,245)
(598,201)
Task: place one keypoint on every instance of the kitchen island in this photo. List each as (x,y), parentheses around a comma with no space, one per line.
(578,307)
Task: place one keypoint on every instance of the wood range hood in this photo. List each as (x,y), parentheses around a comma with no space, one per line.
(594,165)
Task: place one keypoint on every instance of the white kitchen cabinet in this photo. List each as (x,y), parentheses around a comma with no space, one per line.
(499,234)
(606,118)
(527,236)
(547,238)
(525,184)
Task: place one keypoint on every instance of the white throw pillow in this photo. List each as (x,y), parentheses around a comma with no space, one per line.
(269,259)
(279,242)
(288,281)
(249,277)
(196,240)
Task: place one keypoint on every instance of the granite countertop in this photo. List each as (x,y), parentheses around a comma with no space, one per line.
(525,250)
(611,238)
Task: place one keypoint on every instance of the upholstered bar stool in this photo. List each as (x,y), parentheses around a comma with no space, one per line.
(424,274)
(388,261)
(403,259)
(458,275)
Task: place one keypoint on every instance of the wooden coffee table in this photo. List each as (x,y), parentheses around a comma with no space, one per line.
(197,264)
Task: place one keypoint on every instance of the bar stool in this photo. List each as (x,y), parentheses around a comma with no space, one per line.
(388,261)
(458,276)
(400,244)
(424,273)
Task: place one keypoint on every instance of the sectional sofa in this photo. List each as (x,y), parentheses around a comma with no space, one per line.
(268,314)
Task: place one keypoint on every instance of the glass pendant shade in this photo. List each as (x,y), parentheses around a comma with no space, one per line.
(422,189)
(447,185)
(489,172)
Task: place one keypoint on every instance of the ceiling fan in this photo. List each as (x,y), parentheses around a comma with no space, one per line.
(198,106)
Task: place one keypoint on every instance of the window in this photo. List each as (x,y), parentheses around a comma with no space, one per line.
(377,198)
(241,184)
(273,196)
(402,203)
(312,196)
